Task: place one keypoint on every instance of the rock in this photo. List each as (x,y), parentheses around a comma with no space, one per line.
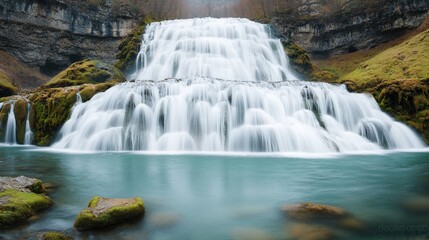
(311,211)
(54,236)
(22,184)
(418,205)
(20,199)
(250,234)
(323,29)
(106,212)
(51,108)
(310,232)
(86,71)
(161,220)
(351,224)
(53,34)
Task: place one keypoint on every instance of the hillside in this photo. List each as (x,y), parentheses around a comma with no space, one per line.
(408,60)
(13,71)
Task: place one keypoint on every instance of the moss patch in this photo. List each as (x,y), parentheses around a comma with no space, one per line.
(129,49)
(102,212)
(408,60)
(51,108)
(55,236)
(16,206)
(86,71)
(6,86)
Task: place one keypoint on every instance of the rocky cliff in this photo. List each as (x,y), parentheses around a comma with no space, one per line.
(52,34)
(323,30)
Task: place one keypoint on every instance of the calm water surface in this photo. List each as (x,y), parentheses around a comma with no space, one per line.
(223,197)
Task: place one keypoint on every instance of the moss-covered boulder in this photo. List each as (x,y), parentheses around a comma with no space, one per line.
(54,236)
(106,212)
(129,49)
(86,71)
(20,198)
(6,86)
(51,108)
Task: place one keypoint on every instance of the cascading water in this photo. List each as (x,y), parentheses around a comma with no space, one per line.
(10,133)
(28,137)
(232,91)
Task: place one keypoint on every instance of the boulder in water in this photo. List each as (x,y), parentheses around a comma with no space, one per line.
(311,211)
(105,212)
(20,198)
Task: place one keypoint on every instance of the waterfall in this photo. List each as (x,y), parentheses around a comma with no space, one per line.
(10,133)
(28,137)
(225,85)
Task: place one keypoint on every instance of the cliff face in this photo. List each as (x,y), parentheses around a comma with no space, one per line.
(52,34)
(358,25)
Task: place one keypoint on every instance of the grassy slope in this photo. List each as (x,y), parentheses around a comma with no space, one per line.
(408,60)
(395,73)
(20,75)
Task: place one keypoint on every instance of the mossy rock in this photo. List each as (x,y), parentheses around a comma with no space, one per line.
(6,86)
(17,204)
(299,59)
(54,236)
(106,212)
(129,49)
(86,71)
(51,108)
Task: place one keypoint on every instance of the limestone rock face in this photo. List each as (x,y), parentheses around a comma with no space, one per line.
(105,212)
(53,34)
(358,25)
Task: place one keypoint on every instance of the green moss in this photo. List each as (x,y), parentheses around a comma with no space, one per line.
(299,59)
(20,111)
(55,236)
(86,71)
(6,86)
(19,206)
(408,60)
(114,215)
(129,49)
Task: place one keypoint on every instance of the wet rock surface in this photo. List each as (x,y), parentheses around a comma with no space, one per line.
(106,212)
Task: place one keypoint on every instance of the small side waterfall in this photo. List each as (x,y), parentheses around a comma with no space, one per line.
(28,133)
(10,133)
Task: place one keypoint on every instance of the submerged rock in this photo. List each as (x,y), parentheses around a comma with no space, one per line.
(250,234)
(311,211)
(105,212)
(418,205)
(310,232)
(161,220)
(20,198)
